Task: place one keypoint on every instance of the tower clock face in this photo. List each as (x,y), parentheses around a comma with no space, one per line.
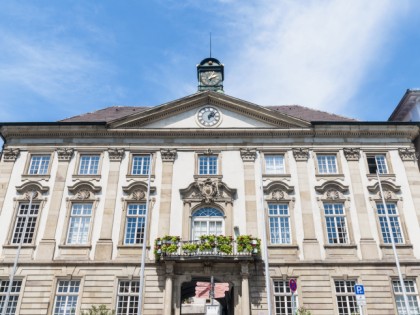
(209,116)
(210,77)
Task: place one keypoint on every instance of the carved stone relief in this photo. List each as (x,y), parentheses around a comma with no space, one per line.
(301,154)
(83,194)
(168,155)
(407,154)
(115,154)
(10,155)
(248,154)
(278,190)
(352,154)
(64,154)
(208,190)
(31,188)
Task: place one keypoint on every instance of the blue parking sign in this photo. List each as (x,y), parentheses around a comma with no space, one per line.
(359,289)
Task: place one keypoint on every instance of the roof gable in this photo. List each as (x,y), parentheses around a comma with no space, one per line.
(181,114)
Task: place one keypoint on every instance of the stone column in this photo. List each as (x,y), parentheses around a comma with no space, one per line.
(311,249)
(46,247)
(104,246)
(168,288)
(168,158)
(408,156)
(368,245)
(248,157)
(245,289)
(6,168)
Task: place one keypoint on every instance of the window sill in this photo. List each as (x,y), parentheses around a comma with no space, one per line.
(383,176)
(329,175)
(277,175)
(36,176)
(75,246)
(208,176)
(87,176)
(140,176)
(16,246)
(348,246)
(382,245)
(132,246)
(285,246)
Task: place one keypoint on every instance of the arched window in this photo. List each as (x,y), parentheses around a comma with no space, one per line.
(207,221)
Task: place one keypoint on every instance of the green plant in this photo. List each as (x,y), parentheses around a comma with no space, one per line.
(208,242)
(303,311)
(158,249)
(169,239)
(225,248)
(224,244)
(166,245)
(169,248)
(248,243)
(101,310)
(190,247)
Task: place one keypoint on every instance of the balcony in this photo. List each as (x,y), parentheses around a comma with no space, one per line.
(209,247)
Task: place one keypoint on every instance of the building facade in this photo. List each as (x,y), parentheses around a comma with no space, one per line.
(286,185)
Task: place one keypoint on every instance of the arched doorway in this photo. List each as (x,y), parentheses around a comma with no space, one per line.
(197,306)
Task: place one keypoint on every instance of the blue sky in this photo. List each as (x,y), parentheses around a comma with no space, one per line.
(63,58)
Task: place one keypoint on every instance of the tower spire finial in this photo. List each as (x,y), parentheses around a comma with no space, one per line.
(210,44)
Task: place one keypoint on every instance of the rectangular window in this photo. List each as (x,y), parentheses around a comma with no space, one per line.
(274,164)
(39,164)
(88,164)
(327,164)
(377,162)
(141,165)
(335,220)
(79,224)
(14,296)
(346,299)
(127,297)
(283,298)
(66,297)
(412,295)
(279,220)
(207,165)
(394,221)
(134,228)
(25,214)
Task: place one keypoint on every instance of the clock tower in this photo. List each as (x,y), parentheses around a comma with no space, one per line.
(210,75)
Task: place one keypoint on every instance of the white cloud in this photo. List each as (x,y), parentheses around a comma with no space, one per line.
(313,53)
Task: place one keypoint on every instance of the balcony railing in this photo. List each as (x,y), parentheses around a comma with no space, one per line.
(209,246)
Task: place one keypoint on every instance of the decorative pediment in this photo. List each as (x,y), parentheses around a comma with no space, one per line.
(137,190)
(278,190)
(84,190)
(387,185)
(208,190)
(34,188)
(332,190)
(235,113)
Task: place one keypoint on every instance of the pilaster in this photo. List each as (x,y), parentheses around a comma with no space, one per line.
(104,246)
(248,157)
(169,269)
(47,245)
(9,156)
(368,247)
(168,159)
(245,289)
(311,249)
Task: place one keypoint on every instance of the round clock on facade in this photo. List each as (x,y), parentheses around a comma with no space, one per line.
(210,77)
(209,116)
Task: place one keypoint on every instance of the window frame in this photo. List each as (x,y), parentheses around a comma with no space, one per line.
(91,156)
(79,155)
(347,295)
(12,294)
(409,294)
(208,153)
(124,239)
(387,159)
(130,295)
(287,294)
(328,172)
(279,216)
(152,164)
(80,216)
(273,154)
(207,219)
(28,164)
(401,223)
(346,221)
(78,297)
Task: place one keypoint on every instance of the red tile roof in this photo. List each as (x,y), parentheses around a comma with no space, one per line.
(114,112)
